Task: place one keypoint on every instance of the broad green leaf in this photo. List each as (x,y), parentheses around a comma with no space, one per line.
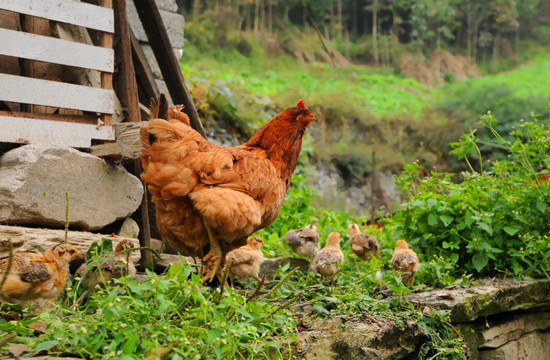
(480,260)
(511,230)
(446,220)
(46,345)
(486,227)
(431,203)
(432,219)
(541,206)
(468,218)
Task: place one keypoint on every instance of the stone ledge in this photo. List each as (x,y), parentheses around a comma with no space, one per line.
(489,298)
(39,240)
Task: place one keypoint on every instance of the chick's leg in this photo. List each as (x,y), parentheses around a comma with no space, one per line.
(211,262)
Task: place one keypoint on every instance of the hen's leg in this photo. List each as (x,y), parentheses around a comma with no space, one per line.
(211,262)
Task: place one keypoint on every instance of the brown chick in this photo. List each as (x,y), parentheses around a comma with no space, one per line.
(116,265)
(363,245)
(246,260)
(304,242)
(327,259)
(33,276)
(405,261)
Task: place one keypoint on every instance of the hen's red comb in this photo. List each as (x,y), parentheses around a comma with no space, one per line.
(301,104)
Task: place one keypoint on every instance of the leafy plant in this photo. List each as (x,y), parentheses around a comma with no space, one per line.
(491,222)
(174,315)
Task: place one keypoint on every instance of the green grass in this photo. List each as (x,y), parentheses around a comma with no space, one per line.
(284,80)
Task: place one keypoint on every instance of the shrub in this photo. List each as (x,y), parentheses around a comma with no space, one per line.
(494,221)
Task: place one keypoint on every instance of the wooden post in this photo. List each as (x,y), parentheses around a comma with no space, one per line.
(130,97)
(169,65)
(107,78)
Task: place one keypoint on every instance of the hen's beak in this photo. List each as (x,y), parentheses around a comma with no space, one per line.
(313,118)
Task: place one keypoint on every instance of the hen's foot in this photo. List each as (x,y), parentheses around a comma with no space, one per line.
(211,264)
(212,261)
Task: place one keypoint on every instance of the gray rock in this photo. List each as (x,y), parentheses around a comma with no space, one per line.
(173,23)
(129,228)
(346,337)
(489,298)
(531,346)
(270,265)
(40,240)
(170,259)
(34,179)
(168,5)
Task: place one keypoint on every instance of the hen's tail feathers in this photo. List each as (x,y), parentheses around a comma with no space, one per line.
(158,108)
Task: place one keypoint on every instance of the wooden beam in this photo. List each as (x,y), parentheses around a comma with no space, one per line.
(80,119)
(169,66)
(72,12)
(57,94)
(44,48)
(130,96)
(127,88)
(39,131)
(143,70)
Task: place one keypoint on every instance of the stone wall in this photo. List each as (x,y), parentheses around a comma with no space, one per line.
(500,320)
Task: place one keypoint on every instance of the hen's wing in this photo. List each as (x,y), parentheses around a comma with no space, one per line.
(30,267)
(365,244)
(243,255)
(405,260)
(235,190)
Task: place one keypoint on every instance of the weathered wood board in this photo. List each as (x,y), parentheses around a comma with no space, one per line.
(72,12)
(39,131)
(51,93)
(57,51)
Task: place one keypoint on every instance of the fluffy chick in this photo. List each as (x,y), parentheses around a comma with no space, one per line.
(32,276)
(246,260)
(405,261)
(116,265)
(327,259)
(304,242)
(363,245)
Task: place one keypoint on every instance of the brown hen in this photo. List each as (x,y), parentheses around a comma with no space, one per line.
(31,276)
(210,198)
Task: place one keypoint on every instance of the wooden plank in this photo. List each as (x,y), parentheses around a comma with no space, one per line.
(80,119)
(10,65)
(39,131)
(37,47)
(171,72)
(52,93)
(128,94)
(72,12)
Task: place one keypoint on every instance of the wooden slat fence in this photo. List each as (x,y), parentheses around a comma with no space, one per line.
(93,107)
